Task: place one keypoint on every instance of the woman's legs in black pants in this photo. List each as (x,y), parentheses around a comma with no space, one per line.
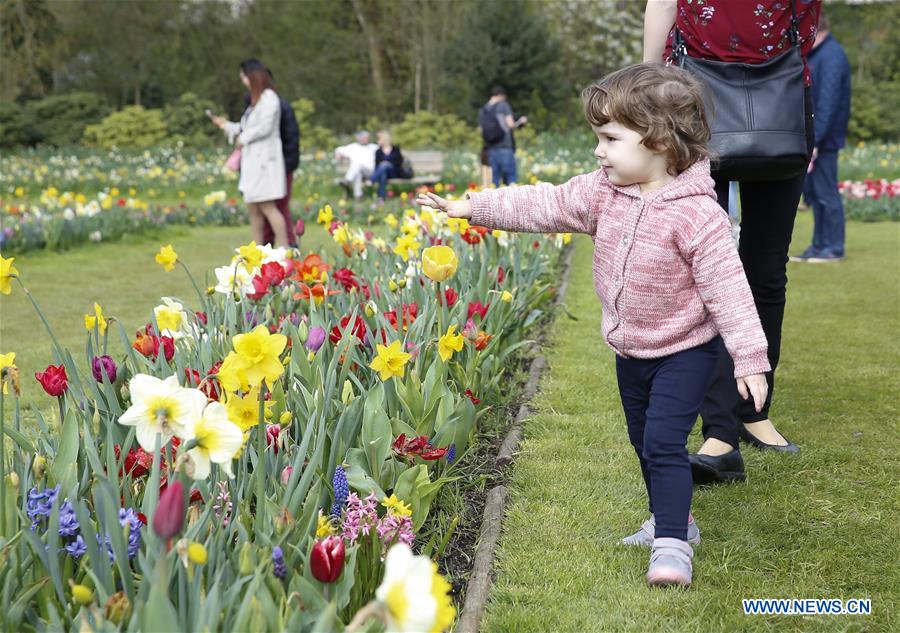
(768,210)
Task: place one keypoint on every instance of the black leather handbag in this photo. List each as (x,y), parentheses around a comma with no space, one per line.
(757,112)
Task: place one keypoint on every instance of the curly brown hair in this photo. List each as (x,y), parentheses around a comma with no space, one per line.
(663,103)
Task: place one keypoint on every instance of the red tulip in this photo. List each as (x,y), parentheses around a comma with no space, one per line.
(168,519)
(327,559)
(450,296)
(53,379)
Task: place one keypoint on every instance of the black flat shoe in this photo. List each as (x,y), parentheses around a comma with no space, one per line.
(751,439)
(709,469)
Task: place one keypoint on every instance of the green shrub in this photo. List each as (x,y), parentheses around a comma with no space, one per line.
(427,130)
(61,120)
(132,126)
(873,111)
(185,120)
(14,127)
(311,136)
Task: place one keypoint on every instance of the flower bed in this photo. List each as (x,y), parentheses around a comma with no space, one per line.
(871,200)
(263,458)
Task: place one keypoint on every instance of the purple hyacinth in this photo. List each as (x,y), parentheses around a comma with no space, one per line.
(279,568)
(341,490)
(451,453)
(130,518)
(104,540)
(68,522)
(76,548)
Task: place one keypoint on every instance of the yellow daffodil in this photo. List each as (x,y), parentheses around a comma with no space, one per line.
(251,255)
(6,360)
(7,270)
(244,411)
(395,505)
(20,191)
(414,595)
(82,594)
(231,374)
(171,318)
(566,238)
(95,320)
(410,227)
(166,257)
(407,245)
(164,407)
(390,361)
(390,220)
(458,225)
(439,263)
(326,215)
(342,234)
(258,352)
(506,296)
(218,441)
(449,343)
(324,527)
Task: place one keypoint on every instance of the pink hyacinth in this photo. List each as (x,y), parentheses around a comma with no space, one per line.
(360,517)
(394,528)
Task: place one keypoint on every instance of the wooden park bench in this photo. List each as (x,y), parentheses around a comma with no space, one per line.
(428,166)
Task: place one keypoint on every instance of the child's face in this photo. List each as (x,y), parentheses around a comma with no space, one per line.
(625,160)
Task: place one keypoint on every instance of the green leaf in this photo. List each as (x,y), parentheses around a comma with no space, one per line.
(159,614)
(64,465)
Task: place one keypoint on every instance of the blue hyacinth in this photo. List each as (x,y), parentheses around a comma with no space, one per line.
(39,504)
(279,568)
(76,548)
(68,522)
(341,490)
(130,518)
(451,454)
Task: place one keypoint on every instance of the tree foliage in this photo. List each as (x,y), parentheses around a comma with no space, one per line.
(361,60)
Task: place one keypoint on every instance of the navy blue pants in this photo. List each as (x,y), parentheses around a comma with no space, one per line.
(820,190)
(661,398)
(381,174)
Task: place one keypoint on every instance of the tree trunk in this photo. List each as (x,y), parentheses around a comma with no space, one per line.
(418,95)
(375,52)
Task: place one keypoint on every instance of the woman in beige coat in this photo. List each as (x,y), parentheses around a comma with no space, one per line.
(262,162)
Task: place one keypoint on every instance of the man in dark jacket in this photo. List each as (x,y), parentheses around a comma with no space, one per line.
(830,72)
(290,147)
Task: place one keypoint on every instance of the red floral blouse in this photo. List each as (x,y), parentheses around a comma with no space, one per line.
(749,31)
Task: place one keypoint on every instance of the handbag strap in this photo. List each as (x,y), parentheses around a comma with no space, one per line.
(679,47)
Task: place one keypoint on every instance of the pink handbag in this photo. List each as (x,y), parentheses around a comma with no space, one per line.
(234,161)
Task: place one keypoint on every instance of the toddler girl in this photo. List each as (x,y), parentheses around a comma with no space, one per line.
(667,273)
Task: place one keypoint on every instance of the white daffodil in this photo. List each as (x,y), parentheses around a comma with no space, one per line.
(171,318)
(414,595)
(272,254)
(164,407)
(233,278)
(218,441)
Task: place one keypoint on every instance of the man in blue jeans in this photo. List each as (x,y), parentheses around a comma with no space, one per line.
(830,72)
(502,152)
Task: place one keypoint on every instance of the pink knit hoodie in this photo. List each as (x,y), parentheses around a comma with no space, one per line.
(665,266)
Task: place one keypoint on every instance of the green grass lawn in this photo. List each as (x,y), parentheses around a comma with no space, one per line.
(122,277)
(816,525)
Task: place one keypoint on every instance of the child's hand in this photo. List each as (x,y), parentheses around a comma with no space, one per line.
(754,385)
(453,208)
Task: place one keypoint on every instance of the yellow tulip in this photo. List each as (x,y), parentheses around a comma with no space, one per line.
(506,296)
(439,262)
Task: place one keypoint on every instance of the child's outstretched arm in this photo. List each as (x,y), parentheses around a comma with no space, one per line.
(571,207)
(723,287)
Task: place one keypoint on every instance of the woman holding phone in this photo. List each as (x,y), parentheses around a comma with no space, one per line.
(257,135)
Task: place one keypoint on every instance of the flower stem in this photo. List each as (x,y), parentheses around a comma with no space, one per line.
(368,611)
(2,466)
(261,458)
